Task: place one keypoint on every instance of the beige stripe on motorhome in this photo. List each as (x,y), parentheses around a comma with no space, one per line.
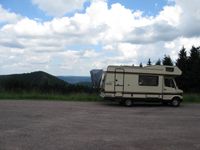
(142,93)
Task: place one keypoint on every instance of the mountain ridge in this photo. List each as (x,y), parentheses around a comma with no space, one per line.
(75,79)
(36,81)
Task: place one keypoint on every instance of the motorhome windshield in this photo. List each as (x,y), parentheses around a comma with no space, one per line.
(169,82)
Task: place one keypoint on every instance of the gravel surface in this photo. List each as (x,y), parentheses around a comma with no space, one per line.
(49,125)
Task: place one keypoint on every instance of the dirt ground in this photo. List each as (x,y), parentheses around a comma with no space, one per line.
(49,125)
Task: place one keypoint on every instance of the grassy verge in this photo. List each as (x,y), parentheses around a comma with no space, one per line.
(188,98)
(40,96)
(191,98)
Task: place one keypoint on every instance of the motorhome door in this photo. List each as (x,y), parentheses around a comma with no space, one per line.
(119,82)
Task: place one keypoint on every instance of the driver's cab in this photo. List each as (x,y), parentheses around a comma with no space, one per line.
(170,88)
(169,83)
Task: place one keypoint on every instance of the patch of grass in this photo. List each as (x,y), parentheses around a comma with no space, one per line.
(49,96)
(191,98)
(187,97)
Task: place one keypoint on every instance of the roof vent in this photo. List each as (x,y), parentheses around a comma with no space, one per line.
(169,69)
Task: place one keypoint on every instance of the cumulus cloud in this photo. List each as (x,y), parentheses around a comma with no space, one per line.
(190,17)
(153,33)
(7,16)
(97,37)
(171,15)
(59,7)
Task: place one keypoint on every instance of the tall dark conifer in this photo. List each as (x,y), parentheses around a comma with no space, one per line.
(158,62)
(194,69)
(182,63)
(167,60)
(149,62)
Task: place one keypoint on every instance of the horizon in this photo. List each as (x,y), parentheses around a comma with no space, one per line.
(70,38)
(44,72)
(67,75)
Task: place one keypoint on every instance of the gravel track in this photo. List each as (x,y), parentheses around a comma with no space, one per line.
(50,125)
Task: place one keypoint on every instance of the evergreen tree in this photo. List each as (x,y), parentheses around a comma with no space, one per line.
(167,60)
(149,62)
(158,62)
(182,63)
(194,69)
(141,65)
(182,59)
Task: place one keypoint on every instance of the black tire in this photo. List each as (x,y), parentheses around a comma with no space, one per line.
(175,102)
(128,102)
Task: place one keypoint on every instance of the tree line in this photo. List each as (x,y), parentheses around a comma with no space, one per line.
(189,63)
(40,82)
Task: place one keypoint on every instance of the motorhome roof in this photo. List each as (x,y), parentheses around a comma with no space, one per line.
(153,69)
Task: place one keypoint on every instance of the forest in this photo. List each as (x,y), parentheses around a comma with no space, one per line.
(189,63)
(42,82)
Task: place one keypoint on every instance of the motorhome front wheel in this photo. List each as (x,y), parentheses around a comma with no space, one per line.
(128,102)
(175,102)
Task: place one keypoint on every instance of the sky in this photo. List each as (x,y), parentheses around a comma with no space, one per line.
(71,37)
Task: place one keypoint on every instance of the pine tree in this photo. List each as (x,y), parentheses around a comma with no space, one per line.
(194,69)
(182,60)
(158,62)
(182,63)
(167,60)
(149,62)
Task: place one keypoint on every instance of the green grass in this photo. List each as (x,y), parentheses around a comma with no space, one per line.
(51,96)
(191,98)
(188,97)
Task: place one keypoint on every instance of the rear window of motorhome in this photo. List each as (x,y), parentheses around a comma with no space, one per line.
(146,80)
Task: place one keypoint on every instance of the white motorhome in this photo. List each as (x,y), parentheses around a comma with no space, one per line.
(128,84)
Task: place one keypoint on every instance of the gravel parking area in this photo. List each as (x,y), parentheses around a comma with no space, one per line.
(50,125)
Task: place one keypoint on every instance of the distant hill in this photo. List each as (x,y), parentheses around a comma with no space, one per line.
(37,81)
(76,79)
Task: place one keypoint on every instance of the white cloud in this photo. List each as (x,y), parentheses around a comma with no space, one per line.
(90,54)
(169,45)
(170,15)
(59,7)
(100,36)
(190,17)
(128,50)
(159,31)
(7,16)
(26,27)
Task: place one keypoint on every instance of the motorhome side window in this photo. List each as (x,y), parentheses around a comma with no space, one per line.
(169,83)
(146,80)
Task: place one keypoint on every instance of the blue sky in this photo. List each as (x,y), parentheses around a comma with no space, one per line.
(27,8)
(149,7)
(72,37)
